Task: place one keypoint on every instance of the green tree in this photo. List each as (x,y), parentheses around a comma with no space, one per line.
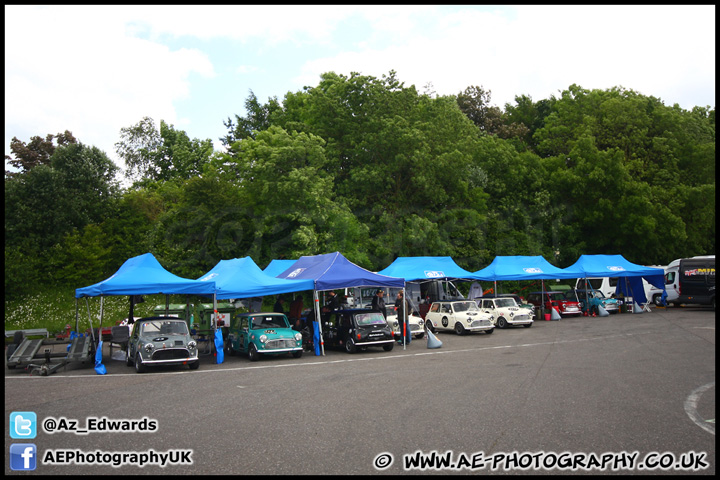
(150,154)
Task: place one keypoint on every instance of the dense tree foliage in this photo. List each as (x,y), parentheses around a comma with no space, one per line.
(374,169)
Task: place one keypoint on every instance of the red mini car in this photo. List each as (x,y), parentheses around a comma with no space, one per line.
(565,306)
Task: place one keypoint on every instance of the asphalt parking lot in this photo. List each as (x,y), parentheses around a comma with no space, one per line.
(628,390)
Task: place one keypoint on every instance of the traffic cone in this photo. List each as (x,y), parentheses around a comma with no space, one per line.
(636,308)
(602,312)
(433,341)
(554,315)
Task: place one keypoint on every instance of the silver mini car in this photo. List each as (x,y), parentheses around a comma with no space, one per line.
(161,341)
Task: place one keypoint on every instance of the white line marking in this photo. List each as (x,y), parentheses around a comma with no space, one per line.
(691,408)
(326,362)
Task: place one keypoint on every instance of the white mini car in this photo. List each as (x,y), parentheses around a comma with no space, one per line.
(462,316)
(506,312)
(417,328)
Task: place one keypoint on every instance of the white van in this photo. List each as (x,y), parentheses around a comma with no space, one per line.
(672,278)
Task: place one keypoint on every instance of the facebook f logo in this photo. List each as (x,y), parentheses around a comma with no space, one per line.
(23,456)
(23,425)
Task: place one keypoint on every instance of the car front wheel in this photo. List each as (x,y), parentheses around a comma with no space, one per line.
(502,323)
(194,365)
(429,326)
(350,346)
(253,353)
(139,367)
(459,329)
(489,330)
(128,358)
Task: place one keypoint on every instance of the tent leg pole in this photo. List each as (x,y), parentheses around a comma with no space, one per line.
(319,320)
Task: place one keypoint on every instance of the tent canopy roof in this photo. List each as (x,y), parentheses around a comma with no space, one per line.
(519,267)
(242,278)
(609,266)
(426,268)
(143,275)
(333,271)
(276,267)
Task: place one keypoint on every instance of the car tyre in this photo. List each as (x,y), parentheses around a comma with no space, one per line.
(388,347)
(253,353)
(297,354)
(528,325)
(501,322)
(429,326)
(139,367)
(489,330)
(350,346)
(459,329)
(128,359)
(194,365)
(228,348)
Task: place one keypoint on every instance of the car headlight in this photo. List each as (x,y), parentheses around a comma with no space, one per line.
(149,347)
(298,337)
(192,344)
(263,338)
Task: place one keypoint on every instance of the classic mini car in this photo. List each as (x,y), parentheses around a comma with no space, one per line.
(417,325)
(518,299)
(355,329)
(565,306)
(262,333)
(161,341)
(590,299)
(506,312)
(462,316)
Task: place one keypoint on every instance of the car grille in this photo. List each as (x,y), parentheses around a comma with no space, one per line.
(480,323)
(415,327)
(170,354)
(521,317)
(280,343)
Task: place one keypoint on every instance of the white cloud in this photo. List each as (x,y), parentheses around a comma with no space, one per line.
(94,70)
(75,68)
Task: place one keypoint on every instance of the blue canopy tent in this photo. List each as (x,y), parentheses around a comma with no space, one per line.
(333,271)
(242,278)
(142,275)
(426,268)
(617,266)
(521,267)
(276,267)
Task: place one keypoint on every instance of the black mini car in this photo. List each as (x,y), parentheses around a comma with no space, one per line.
(357,329)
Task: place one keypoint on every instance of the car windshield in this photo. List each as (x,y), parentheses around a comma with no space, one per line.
(465,306)
(556,296)
(505,302)
(370,318)
(268,321)
(163,327)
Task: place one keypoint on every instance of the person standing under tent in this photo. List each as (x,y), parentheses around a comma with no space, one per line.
(378,303)
(401,307)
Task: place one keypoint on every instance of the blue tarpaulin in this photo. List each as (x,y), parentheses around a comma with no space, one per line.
(520,267)
(242,278)
(143,275)
(417,269)
(333,271)
(276,267)
(589,266)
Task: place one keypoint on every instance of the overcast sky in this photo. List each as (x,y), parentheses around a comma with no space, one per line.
(96,69)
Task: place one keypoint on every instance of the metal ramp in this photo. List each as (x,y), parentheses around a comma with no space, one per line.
(79,349)
(25,352)
(31,352)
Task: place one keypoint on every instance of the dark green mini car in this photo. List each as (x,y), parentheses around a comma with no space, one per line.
(262,333)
